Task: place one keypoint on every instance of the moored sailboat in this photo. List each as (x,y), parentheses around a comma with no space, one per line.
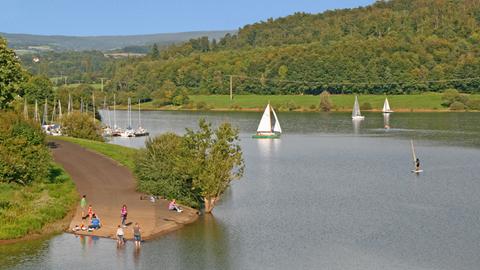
(356,115)
(140,131)
(266,128)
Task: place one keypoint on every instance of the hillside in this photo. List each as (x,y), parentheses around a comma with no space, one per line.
(398,46)
(102,43)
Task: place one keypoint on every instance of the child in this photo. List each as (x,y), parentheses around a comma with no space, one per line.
(90,212)
(124,215)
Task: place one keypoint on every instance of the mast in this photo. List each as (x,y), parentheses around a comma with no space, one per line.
(53,111)
(69,108)
(36,111)
(114,113)
(81,104)
(139,119)
(59,109)
(25,109)
(45,113)
(129,113)
(93,103)
(413,152)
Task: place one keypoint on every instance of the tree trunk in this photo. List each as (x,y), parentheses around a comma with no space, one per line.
(209,204)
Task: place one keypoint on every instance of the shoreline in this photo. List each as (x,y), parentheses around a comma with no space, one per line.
(401,110)
(108,185)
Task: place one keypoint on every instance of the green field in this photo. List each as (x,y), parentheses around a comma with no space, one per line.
(123,155)
(26,210)
(419,102)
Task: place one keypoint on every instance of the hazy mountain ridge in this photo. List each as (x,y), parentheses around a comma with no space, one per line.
(102,43)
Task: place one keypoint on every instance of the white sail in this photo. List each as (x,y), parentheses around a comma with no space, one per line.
(356,110)
(413,152)
(276,126)
(266,123)
(386,107)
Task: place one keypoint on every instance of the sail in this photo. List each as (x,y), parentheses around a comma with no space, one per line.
(413,152)
(276,126)
(386,106)
(265,124)
(356,108)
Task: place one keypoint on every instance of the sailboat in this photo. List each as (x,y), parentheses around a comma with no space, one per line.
(140,131)
(356,115)
(386,107)
(128,132)
(116,130)
(266,129)
(415,169)
(107,130)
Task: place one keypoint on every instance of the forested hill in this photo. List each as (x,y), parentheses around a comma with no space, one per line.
(389,47)
(102,43)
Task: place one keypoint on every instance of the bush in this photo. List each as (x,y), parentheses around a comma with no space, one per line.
(288,106)
(474,104)
(325,101)
(449,96)
(456,106)
(202,105)
(366,106)
(24,158)
(81,125)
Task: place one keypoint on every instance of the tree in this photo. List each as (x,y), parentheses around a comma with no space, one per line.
(194,168)
(38,88)
(217,160)
(24,158)
(325,101)
(155,54)
(11,75)
(81,125)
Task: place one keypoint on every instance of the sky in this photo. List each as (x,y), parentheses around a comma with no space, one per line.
(130,17)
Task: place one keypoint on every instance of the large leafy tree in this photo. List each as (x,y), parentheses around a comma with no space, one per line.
(38,88)
(11,75)
(194,168)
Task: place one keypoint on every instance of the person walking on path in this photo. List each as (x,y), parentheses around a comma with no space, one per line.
(137,235)
(124,215)
(83,204)
(120,236)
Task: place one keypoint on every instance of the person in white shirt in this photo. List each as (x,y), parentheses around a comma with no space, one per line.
(120,236)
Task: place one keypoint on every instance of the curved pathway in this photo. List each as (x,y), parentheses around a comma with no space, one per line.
(108,185)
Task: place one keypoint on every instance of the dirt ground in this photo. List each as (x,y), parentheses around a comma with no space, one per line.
(107,186)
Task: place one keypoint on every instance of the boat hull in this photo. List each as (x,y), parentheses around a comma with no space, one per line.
(358,117)
(266,136)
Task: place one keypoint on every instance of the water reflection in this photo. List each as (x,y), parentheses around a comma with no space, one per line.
(268,147)
(386,121)
(356,126)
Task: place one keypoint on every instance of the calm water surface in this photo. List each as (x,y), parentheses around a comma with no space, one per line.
(327,195)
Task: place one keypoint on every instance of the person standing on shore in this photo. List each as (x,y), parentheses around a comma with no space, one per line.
(137,235)
(120,236)
(83,204)
(124,215)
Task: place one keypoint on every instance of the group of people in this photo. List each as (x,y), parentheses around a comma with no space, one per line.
(95,221)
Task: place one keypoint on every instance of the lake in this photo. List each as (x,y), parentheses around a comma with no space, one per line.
(330,194)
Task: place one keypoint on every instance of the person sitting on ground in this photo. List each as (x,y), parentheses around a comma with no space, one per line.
(172,206)
(76,228)
(95,223)
(120,235)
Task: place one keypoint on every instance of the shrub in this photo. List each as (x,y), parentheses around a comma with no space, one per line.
(24,158)
(366,106)
(456,106)
(201,105)
(81,125)
(474,104)
(325,101)
(449,96)
(313,107)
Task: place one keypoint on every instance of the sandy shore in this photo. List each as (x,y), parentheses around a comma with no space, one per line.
(108,185)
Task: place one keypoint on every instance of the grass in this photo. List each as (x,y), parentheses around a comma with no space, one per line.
(419,102)
(26,210)
(123,155)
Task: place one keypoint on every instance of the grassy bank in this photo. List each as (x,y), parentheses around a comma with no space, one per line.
(418,102)
(27,210)
(123,155)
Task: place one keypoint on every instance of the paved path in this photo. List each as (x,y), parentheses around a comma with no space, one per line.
(108,185)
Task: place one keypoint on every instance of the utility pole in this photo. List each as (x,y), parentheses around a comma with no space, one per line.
(102,83)
(231,87)
(93,101)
